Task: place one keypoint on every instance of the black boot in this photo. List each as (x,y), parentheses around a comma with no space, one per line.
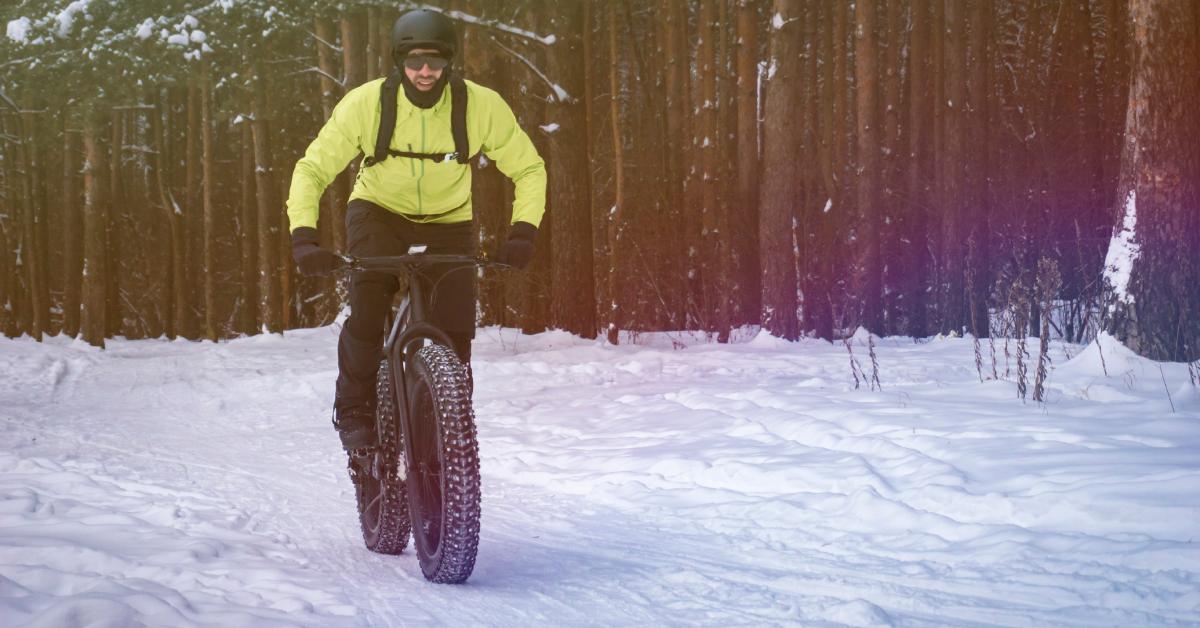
(355,424)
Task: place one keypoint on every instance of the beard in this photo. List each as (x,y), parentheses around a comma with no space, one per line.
(425,100)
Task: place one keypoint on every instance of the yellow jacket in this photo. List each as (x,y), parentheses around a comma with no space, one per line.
(420,189)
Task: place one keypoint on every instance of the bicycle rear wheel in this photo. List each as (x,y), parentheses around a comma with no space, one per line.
(379,476)
(443,465)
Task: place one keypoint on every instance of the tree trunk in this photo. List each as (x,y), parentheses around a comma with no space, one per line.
(746,220)
(269,294)
(172,247)
(895,221)
(193,212)
(33,258)
(331,90)
(919,169)
(117,207)
(353,56)
(95,266)
(779,188)
(976,210)
(574,306)
(289,305)
(616,216)
(678,147)
(371,55)
(714,305)
(210,231)
(249,235)
(867,182)
(72,235)
(953,197)
(1152,266)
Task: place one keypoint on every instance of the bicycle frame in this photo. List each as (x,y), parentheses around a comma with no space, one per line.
(415,327)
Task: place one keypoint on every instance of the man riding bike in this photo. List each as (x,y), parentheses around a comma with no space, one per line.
(414,187)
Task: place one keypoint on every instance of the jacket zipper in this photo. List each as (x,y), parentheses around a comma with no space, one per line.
(419,203)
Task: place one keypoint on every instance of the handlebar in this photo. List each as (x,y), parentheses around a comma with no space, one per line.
(393,263)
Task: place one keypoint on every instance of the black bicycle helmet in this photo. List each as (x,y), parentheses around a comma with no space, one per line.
(422,28)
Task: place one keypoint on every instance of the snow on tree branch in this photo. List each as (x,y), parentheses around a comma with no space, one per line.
(547,40)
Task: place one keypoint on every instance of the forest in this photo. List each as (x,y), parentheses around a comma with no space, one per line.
(1004,168)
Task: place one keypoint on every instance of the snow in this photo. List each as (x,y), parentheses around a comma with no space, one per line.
(183,483)
(18,30)
(461,16)
(145,29)
(1123,251)
(777,21)
(549,128)
(561,93)
(66,17)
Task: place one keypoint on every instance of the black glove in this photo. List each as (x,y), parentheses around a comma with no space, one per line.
(517,251)
(310,257)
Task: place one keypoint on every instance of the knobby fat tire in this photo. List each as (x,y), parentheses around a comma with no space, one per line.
(439,384)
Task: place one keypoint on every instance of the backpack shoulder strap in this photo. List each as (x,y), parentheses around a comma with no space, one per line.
(458,119)
(388,94)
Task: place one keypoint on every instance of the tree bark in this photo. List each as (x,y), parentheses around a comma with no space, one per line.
(955,156)
(353,53)
(210,231)
(1152,266)
(249,234)
(779,189)
(713,267)
(193,212)
(895,221)
(335,196)
(574,306)
(95,261)
(331,90)
(678,146)
(117,201)
(746,218)
(867,183)
(372,49)
(173,244)
(269,294)
(33,258)
(919,169)
(72,235)
(976,210)
(616,215)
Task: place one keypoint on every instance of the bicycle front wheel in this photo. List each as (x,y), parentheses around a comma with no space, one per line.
(443,476)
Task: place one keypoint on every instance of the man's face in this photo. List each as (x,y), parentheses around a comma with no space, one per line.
(424,77)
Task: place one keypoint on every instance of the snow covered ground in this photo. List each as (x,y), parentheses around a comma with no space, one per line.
(178,483)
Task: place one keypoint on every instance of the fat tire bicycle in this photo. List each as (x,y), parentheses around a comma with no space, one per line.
(422,474)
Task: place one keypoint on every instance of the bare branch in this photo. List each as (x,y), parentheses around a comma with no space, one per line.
(327,44)
(8,101)
(560,94)
(321,72)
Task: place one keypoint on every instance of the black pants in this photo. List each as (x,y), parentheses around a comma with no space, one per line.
(372,230)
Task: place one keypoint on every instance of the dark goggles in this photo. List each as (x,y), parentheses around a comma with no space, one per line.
(416,62)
